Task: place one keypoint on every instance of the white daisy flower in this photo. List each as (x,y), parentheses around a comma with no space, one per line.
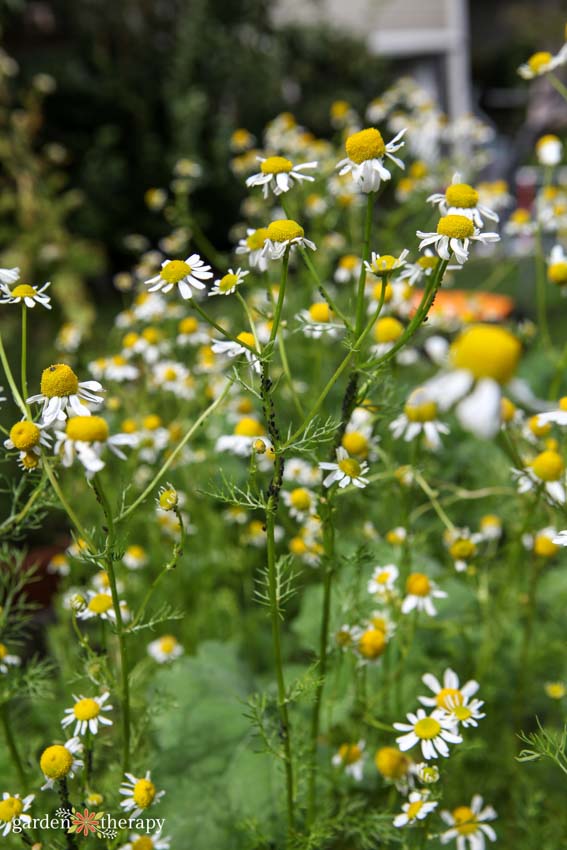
(432,732)
(135,557)
(26,294)
(147,842)
(246,432)
(9,276)
(448,689)
(541,63)
(7,660)
(557,270)
(86,714)
(228,283)
(347,470)
(233,348)
(317,321)
(417,808)
(466,713)
(100,605)
(63,394)
(13,808)
(462,199)
(546,472)
(381,265)
(253,247)
(139,794)
(165,649)
(468,825)
(301,502)
(383,580)
(279,174)
(187,274)
(420,592)
(351,758)
(27,438)
(366,152)
(348,268)
(60,761)
(419,418)
(301,472)
(84,439)
(549,150)
(284,234)
(453,236)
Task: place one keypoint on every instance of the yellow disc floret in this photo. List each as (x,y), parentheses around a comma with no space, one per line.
(249,427)
(350,467)
(544,547)
(372,643)
(349,753)
(23,290)
(174,271)
(188,325)
(87,429)
(10,808)
(284,229)
(427,728)
(388,330)
(548,466)
(418,584)
(300,499)
(465,820)
(419,408)
(461,195)
(56,762)
(391,763)
(364,145)
(59,380)
(228,282)
(144,793)
(455,227)
(449,697)
(355,443)
(247,338)
(167,644)
(144,842)
(24,435)
(320,312)
(538,61)
(486,351)
(168,499)
(255,241)
(100,603)
(276,165)
(557,273)
(86,709)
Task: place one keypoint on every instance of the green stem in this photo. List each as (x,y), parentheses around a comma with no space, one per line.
(541,291)
(322,289)
(24,363)
(12,746)
(64,503)
(11,382)
(177,552)
(365,255)
(250,319)
(281,296)
(218,327)
(558,86)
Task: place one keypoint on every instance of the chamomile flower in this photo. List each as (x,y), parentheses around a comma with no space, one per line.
(384,265)
(233,348)
(139,794)
(85,438)
(86,714)
(350,757)
(348,268)
(555,690)
(253,247)
(370,642)
(468,825)
(25,294)
(557,270)
(462,546)
(490,527)
(366,152)
(383,580)
(99,605)
(9,276)
(417,808)
(466,713)
(165,649)
(135,557)
(301,502)
(428,774)
(541,63)
(549,150)
(347,470)
(278,174)
(27,438)
(229,282)
(461,199)
(420,593)
(545,472)
(302,473)
(431,732)
(284,234)
(8,660)
(453,236)
(62,394)
(59,565)
(419,418)
(147,842)
(542,543)
(449,688)
(246,432)
(186,274)
(60,761)
(317,321)
(13,808)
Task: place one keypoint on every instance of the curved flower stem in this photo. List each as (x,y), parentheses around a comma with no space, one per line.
(177,552)
(250,319)
(281,296)
(64,503)
(11,382)
(541,293)
(161,472)
(322,289)
(24,358)
(558,86)
(12,746)
(432,496)
(16,519)
(365,255)
(120,631)
(221,330)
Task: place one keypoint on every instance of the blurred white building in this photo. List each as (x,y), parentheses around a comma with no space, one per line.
(430,35)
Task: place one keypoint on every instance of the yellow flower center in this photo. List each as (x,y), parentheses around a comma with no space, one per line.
(130,340)
(86,709)
(284,229)
(168,499)
(507,409)
(544,547)
(10,808)
(167,644)
(3,651)
(547,140)
(170,374)
(418,584)
(144,842)
(349,753)
(100,603)
(247,338)
(427,728)
(229,281)
(249,427)
(87,429)
(520,216)
(461,195)
(418,169)
(151,335)
(188,325)
(151,422)
(557,273)
(355,443)
(539,60)
(465,820)
(174,271)
(349,262)
(555,690)
(320,312)
(297,546)
(427,262)
(487,352)
(461,712)
(135,551)
(256,240)
(372,643)
(382,264)
(539,430)
(462,550)
(56,762)
(24,435)
(144,793)
(364,145)
(449,697)
(350,467)
(129,426)
(455,226)
(276,165)
(23,290)
(388,329)
(420,411)
(414,809)
(548,466)
(59,380)
(29,461)
(300,498)
(391,763)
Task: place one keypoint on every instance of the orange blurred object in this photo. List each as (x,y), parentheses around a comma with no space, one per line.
(468,305)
